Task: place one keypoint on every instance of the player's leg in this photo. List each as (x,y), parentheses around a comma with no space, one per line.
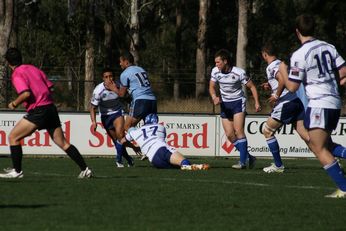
(178,159)
(302,132)
(320,122)
(269,129)
(242,144)
(22,129)
(319,145)
(59,139)
(117,135)
(337,150)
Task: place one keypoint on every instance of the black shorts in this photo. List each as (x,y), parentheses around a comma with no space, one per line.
(45,117)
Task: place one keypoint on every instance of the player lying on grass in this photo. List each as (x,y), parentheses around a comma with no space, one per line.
(151,139)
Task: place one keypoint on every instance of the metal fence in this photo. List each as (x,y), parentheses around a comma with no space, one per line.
(175,93)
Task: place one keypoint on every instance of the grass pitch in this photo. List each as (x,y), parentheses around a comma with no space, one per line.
(50,197)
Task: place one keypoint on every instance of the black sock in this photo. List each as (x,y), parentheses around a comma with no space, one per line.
(16,155)
(74,154)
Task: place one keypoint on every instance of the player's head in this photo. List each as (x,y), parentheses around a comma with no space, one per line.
(126,59)
(13,57)
(305,24)
(268,49)
(107,74)
(222,59)
(151,119)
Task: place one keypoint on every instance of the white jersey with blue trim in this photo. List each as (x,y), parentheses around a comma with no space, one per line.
(316,64)
(136,80)
(108,102)
(230,83)
(149,138)
(271,71)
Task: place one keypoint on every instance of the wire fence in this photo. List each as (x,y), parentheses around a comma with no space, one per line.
(175,92)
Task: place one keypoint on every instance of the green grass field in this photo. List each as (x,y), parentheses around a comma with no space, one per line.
(50,197)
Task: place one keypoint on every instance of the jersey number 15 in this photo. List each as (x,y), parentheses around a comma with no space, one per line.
(143,79)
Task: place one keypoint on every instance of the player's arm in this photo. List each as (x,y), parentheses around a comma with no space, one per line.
(254,92)
(342,74)
(292,86)
(127,141)
(212,92)
(20,99)
(92,111)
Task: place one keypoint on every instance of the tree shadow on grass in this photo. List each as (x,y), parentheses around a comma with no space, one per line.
(19,206)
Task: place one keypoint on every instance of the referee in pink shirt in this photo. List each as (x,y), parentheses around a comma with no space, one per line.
(34,91)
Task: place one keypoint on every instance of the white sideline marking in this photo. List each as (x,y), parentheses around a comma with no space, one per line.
(248,183)
(308,187)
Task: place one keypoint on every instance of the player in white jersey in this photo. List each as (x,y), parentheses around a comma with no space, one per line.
(112,116)
(319,67)
(230,80)
(287,108)
(151,138)
(135,81)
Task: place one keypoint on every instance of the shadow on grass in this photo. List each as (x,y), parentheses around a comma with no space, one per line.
(19,206)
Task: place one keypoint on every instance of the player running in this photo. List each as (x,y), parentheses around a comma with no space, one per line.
(232,101)
(112,116)
(287,108)
(35,92)
(319,67)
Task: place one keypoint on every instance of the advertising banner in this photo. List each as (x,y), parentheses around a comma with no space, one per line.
(192,135)
(291,145)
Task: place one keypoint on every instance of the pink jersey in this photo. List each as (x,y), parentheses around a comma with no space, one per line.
(29,78)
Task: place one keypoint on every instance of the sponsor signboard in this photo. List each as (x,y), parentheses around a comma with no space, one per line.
(192,135)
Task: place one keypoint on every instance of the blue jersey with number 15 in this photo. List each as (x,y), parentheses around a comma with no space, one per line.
(137,82)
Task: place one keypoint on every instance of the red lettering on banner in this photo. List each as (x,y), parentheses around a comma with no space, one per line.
(35,141)
(3,138)
(203,136)
(228,146)
(98,136)
(109,142)
(175,140)
(185,138)
(68,131)
(199,140)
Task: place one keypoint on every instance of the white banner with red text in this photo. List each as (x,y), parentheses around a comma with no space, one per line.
(192,135)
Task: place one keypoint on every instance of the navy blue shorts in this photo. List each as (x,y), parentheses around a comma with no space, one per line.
(44,117)
(140,108)
(161,158)
(292,111)
(107,120)
(324,118)
(229,109)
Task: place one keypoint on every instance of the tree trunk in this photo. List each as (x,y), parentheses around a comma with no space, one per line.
(178,32)
(108,29)
(134,28)
(201,48)
(242,36)
(6,22)
(89,56)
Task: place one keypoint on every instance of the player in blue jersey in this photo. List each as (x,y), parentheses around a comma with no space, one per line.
(135,81)
(287,108)
(230,80)
(151,138)
(112,115)
(319,67)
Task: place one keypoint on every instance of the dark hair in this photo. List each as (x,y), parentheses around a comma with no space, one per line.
(224,55)
(107,69)
(305,24)
(13,56)
(126,55)
(269,48)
